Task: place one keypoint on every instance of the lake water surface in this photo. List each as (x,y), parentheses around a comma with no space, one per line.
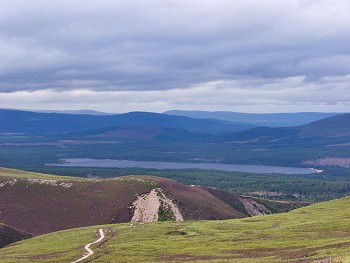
(86,162)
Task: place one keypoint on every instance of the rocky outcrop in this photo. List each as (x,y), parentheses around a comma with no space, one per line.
(154,206)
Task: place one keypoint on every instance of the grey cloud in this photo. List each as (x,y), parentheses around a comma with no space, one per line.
(156,45)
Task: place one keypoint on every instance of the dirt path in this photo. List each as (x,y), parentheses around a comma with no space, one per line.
(87,247)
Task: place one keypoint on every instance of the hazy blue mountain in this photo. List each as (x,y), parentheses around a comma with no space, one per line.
(335,128)
(140,133)
(264,119)
(88,112)
(15,121)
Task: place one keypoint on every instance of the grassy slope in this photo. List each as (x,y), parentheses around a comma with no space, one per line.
(303,235)
(8,172)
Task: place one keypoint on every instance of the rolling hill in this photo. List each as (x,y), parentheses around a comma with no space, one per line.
(318,233)
(333,129)
(40,203)
(14,121)
(141,133)
(257,119)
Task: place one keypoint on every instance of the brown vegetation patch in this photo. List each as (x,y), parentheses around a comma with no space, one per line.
(42,208)
(190,200)
(341,162)
(230,198)
(189,258)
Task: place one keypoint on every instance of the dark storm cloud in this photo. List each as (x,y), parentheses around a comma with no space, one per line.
(156,45)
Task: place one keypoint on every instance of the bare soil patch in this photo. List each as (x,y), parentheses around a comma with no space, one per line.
(146,207)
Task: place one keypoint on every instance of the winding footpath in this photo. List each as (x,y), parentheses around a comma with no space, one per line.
(88,249)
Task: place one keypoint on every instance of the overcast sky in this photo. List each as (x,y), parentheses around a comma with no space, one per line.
(157,55)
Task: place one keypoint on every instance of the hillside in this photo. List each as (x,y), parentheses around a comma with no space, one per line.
(318,233)
(140,133)
(39,203)
(257,119)
(335,129)
(10,235)
(14,121)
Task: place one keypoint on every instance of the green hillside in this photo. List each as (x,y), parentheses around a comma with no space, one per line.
(8,172)
(309,234)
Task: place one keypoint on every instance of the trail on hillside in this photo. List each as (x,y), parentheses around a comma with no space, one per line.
(88,249)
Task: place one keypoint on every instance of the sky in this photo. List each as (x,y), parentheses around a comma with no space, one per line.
(157,55)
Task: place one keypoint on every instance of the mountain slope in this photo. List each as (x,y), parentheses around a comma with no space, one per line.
(318,233)
(143,133)
(333,129)
(40,203)
(13,121)
(257,119)
(336,126)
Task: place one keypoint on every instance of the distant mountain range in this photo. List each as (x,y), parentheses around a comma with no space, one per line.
(143,133)
(264,119)
(14,121)
(149,126)
(86,112)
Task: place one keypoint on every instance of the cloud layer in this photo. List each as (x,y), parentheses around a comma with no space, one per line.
(170,46)
(279,95)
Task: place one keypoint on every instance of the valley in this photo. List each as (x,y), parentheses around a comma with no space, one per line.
(155,140)
(175,131)
(162,188)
